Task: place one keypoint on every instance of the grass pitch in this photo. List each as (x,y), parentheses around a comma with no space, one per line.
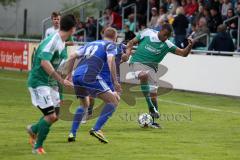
(196,127)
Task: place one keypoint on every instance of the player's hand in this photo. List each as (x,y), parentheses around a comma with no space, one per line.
(69,77)
(118,87)
(190,41)
(116,94)
(124,58)
(67,83)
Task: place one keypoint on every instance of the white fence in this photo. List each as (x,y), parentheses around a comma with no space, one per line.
(200,73)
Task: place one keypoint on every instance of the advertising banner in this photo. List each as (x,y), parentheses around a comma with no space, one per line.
(14,55)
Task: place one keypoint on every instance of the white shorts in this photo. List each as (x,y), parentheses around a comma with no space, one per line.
(44,96)
(137,68)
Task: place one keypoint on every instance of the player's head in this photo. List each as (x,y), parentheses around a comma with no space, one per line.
(110,34)
(55,17)
(68,23)
(165,32)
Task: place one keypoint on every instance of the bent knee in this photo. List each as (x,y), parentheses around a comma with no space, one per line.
(52,118)
(143,76)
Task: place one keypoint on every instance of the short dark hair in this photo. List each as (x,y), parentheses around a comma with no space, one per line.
(55,14)
(67,22)
(167,27)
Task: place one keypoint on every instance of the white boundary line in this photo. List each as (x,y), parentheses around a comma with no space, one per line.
(197,106)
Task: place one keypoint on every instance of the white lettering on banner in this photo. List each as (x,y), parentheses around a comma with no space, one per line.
(3,57)
(9,58)
(17,59)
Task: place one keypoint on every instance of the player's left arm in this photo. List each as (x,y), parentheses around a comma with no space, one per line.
(111,53)
(48,68)
(184,52)
(46,56)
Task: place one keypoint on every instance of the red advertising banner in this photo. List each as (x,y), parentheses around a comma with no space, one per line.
(14,55)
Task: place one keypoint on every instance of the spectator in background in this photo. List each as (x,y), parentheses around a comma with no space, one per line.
(225,6)
(131,23)
(91,29)
(199,14)
(180,25)
(55,17)
(201,29)
(195,6)
(184,4)
(173,6)
(162,18)
(215,4)
(154,3)
(121,4)
(106,20)
(222,41)
(154,18)
(115,19)
(206,13)
(128,34)
(191,8)
(193,29)
(238,8)
(232,25)
(79,35)
(215,20)
(141,12)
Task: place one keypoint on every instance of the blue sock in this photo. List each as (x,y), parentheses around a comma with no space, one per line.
(104,116)
(77,120)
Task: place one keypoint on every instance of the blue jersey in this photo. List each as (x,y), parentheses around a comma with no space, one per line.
(121,48)
(94,63)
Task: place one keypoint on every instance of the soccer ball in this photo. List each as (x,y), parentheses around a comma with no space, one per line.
(145,120)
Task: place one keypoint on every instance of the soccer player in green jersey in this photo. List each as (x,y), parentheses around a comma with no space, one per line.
(43,81)
(152,48)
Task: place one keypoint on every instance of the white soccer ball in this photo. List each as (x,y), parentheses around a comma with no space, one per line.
(145,120)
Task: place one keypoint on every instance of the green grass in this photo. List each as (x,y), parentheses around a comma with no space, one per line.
(205,127)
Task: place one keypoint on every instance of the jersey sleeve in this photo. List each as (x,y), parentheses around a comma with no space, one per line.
(48,51)
(80,51)
(171,47)
(70,39)
(111,50)
(142,34)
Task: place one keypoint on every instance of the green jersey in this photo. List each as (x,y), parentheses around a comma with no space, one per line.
(53,50)
(151,50)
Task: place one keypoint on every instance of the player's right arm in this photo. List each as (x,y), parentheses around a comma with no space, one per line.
(133,43)
(129,48)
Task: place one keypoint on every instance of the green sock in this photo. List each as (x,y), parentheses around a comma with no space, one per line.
(43,130)
(146,92)
(35,126)
(155,104)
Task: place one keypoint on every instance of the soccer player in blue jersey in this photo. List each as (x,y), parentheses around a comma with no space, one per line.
(104,73)
(90,80)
